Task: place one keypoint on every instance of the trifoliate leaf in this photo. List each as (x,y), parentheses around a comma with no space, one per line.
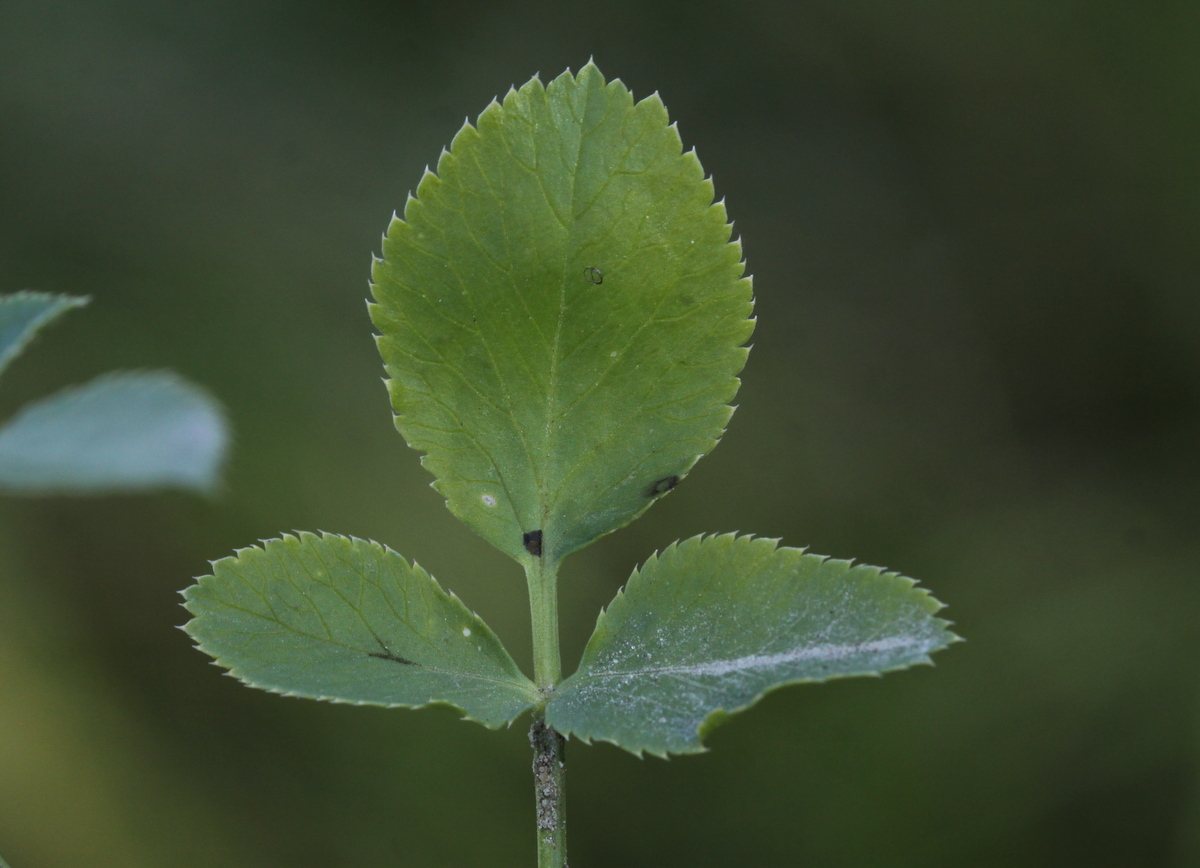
(23,313)
(121,432)
(562,314)
(708,627)
(342,619)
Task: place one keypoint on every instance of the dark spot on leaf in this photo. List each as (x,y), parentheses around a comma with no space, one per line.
(663,486)
(533,543)
(594,275)
(394,658)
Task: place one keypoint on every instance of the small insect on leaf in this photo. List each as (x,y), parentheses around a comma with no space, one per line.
(663,485)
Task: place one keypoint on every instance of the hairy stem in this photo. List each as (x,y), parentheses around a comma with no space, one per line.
(549,781)
(549,771)
(543,610)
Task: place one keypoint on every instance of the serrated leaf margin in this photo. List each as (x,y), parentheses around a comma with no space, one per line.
(535,697)
(718,716)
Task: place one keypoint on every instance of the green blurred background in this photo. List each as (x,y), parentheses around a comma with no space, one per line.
(975,235)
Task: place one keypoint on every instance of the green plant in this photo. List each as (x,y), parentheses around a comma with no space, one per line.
(124,431)
(562,318)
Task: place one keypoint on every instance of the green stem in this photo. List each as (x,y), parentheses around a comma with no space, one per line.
(543,610)
(549,770)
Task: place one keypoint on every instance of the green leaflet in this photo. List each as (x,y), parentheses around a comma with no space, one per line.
(121,432)
(23,313)
(331,617)
(562,315)
(712,624)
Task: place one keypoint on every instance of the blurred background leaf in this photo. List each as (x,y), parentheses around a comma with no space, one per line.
(23,313)
(125,431)
(973,230)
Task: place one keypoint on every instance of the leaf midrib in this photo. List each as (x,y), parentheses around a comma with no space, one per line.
(287,628)
(274,617)
(552,397)
(763,661)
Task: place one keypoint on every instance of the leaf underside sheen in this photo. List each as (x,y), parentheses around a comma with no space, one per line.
(121,432)
(562,315)
(347,620)
(23,313)
(713,623)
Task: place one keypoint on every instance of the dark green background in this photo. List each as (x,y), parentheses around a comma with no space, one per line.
(975,234)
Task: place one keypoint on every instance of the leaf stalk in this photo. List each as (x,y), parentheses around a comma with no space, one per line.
(549,747)
(542,576)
